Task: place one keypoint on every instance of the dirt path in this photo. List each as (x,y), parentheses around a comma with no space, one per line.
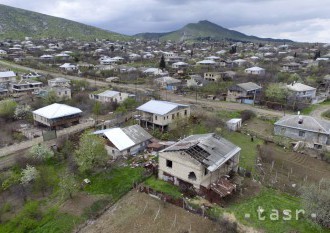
(319,111)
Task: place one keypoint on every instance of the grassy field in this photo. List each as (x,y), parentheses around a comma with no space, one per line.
(116,182)
(163,186)
(270,200)
(249,149)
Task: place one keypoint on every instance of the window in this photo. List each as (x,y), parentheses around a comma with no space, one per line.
(169,163)
(206,171)
(156,118)
(317,146)
(185,112)
(178,114)
(283,130)
(172,116)
(192,176)
(301,133)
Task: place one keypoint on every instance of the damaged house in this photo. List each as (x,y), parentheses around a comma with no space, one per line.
(202,162)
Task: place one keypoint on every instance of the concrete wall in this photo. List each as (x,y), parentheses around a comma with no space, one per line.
(183,164)
(311,137)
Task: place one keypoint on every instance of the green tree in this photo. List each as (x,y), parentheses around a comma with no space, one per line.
(40,152)
(7,108)
(277,92)
(97,108)
(91,152)
(162,64)
(68,185)
(127,105)
(315,200)
(51,98)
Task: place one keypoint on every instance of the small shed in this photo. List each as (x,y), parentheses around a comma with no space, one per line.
(234,124)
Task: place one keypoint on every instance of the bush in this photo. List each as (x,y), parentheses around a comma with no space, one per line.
(247,115)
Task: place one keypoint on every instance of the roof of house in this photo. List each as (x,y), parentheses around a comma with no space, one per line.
(210,149)
(255,68)
(124,138)
(308,123)
(206,62)
(167,80)
(57,110)
(5,74)
(250,86)
(160,107)
(109,93)
(300,87)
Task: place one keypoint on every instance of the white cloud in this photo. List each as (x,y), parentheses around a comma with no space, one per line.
(299,20)
(311,30)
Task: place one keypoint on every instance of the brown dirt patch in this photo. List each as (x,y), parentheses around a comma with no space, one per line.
(78,203)
(137,212)
(289,170)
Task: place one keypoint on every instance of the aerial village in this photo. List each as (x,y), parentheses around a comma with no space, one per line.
(212,128)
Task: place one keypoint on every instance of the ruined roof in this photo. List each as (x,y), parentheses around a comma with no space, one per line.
(308,123)
(210,150)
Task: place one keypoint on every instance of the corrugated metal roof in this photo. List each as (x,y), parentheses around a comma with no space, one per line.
(56,110)
(250,86)
(119,138)
(209,149)
(127,137)
(5,74)
(308,123)
(300,87)
(109,93)
(159,107)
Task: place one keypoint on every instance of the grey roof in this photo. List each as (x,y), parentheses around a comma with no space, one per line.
(109,93)
(210,149)
(137,133)
(126,137)
(249,86)
(308,123)
(5,74)
(160,107)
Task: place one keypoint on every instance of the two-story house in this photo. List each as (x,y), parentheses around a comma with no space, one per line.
(201,162)
(243,93)
(302,91)
(157,113)
(57,115)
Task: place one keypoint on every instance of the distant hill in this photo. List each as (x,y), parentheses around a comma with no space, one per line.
(205,30)
(17,23)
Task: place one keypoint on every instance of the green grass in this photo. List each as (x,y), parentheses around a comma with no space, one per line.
(32,219)
(162,186)
(116,182)
(249,149)
(270,200)
(309,109)
(229,114)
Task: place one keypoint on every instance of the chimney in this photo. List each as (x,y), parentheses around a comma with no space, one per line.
(300,120)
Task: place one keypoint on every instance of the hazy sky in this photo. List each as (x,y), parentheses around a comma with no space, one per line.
(299,20)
